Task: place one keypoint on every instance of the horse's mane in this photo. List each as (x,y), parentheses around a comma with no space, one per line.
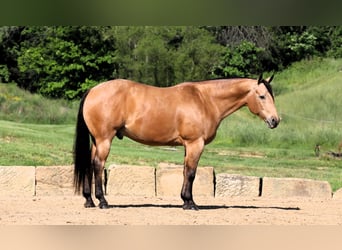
(268,87)
(266,83)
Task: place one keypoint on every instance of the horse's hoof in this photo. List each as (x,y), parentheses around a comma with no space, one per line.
(190,207)
(89,204)
(103,205)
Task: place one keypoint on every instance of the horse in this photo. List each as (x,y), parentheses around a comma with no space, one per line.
(187,114)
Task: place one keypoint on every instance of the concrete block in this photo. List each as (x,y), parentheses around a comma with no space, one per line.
(169,181)
(295,187)
(338,194)
(131,180)
(229,185)
(54,180)
(17,180)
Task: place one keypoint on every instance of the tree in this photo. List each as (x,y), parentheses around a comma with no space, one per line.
(197,55)
(10,38)
(163,56)
(143,54)
(335,36)
(240,61)
(65,61)
(294,43)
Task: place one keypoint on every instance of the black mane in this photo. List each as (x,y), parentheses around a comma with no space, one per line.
(262,80)
(268,87)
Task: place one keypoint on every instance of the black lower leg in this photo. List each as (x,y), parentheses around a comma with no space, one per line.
(98,188)
(89,201)
(103,202)
(87,188)
(186,193)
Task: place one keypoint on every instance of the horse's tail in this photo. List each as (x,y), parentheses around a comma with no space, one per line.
(82,151)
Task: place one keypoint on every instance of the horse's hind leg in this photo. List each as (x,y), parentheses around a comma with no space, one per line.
(87,184)
(101,154)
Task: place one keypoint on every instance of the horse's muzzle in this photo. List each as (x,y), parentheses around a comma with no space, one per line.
(272,122)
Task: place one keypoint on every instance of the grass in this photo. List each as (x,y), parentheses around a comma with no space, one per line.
(21,106)
(35,144)
(307,99)
(44,145)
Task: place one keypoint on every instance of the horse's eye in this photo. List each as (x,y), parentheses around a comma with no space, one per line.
(262,97)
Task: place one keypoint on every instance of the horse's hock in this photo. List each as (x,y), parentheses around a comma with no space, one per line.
(163,181)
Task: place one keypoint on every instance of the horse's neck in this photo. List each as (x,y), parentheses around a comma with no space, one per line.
(229,96)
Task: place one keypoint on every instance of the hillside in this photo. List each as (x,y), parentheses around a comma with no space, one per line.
(309,101)
(307,98)
(22,106)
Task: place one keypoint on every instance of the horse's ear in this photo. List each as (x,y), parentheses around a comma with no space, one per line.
(260,79)
(269,80)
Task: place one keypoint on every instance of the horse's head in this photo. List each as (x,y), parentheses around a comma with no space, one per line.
(260,101)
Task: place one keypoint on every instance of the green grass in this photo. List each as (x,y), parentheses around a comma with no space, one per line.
(44,145)
(307,98)
(35,144)
(21,106)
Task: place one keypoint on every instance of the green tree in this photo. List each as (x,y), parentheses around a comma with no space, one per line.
(66,61)
(335,36)
(10,38)
(240,61)
(197,55)
(294,43)
(163,56)
(143,54)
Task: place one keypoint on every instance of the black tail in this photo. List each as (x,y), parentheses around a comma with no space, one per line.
(82,151)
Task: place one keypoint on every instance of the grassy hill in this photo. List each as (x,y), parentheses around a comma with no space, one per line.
(21,106)
(37,131)
(309,101)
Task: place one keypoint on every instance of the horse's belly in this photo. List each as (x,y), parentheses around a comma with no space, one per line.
(152,135)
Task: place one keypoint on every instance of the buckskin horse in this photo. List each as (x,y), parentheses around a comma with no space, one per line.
(187,114)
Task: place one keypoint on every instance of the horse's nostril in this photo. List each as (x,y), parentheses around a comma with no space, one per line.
(272,122)
(275,122)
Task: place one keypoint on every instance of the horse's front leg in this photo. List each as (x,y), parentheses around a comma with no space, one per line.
(193,153)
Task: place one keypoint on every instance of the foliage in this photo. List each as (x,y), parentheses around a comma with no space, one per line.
(4,73)
(309,106)
(143,54)
(197,56)
(335,36)
(163,56)
(294,43)
(241,61)
(65,61)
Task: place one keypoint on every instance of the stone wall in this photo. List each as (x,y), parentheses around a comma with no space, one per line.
(163,181)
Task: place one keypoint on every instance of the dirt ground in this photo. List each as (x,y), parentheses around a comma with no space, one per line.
(69,210)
